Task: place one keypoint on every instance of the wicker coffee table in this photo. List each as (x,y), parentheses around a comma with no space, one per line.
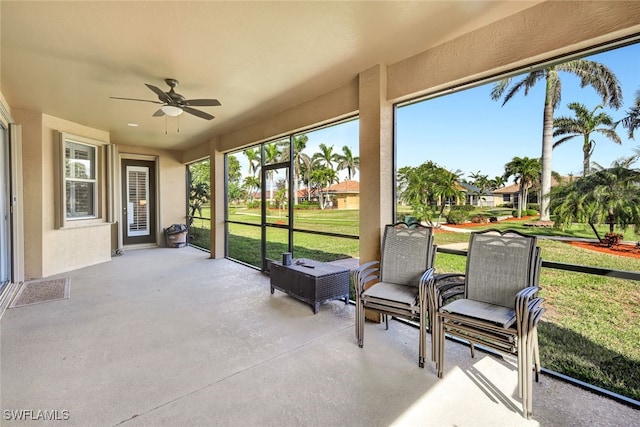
(311,281)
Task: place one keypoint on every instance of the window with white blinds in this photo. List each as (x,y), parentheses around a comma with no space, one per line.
(80,180)
(137,201)
(81,195)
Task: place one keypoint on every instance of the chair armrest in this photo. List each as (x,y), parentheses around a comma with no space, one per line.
(364,274)
(528,308)
(426,278)
(525,296)
(528,293)
(447,286)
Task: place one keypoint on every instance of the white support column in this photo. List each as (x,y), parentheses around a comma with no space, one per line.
(376,160)
(217,185)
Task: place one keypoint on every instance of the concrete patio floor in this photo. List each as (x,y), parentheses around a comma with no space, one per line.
(168,337)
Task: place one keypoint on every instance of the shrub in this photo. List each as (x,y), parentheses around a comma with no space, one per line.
(493,219)
(531,212)
(479,219)
(534,207)
(612,239)
(307,205)
(253,204)
(462,208)
(456,216)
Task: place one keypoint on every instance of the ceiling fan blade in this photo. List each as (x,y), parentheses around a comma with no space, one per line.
(202,102)
(198,113)
(166,99)
(158,113)
(135,99)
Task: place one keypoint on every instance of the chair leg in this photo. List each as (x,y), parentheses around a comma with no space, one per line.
(536,354)
(386,321)
(472,348)
(440,350)
(423,339)
(360,323)
(531,344)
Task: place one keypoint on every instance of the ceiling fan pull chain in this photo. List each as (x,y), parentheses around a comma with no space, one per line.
(165,125)
(178,124)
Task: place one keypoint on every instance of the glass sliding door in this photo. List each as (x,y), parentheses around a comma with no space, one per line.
(5,214)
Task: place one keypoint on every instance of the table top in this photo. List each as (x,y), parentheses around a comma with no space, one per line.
(313,268)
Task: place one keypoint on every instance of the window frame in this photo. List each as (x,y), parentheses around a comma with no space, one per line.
(97,179)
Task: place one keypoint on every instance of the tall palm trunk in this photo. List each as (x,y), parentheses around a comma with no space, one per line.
(586,151)
(547,148)
(611,220)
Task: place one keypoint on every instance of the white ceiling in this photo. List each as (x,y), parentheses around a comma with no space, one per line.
(66,59)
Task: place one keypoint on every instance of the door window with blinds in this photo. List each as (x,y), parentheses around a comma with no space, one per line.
(80,187)
(137,200)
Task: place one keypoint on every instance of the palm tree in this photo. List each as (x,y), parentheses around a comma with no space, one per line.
(322,177)
(632,120)
(423,186)
(446,187)
(348,161)
(301,162)
(608,195)
(253,156)
(272,154)
(590,73)
(415,187)
(526,172)
(497,182)
(252,184)
(584,124)
(325,157)
(234,172)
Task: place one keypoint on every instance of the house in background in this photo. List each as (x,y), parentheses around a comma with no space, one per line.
(346,194)
(476,197)
(510,194)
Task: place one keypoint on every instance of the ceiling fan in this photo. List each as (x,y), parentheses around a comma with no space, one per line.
(174,104)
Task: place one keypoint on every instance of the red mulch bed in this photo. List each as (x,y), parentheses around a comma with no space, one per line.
(620,250)
(631,251)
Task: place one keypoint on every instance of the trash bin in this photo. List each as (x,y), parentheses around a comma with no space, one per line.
(176,236)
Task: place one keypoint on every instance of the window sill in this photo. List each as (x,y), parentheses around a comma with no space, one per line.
(72,225)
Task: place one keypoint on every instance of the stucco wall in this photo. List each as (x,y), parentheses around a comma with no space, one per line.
(67,249)
(32,189)
(537,34)
(49,250)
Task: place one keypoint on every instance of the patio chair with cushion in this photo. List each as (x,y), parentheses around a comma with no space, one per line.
(397,284)
(499,309)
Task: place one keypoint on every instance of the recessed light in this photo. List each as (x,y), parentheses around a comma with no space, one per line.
(133,125)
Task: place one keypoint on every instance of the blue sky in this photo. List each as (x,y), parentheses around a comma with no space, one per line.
(469,131)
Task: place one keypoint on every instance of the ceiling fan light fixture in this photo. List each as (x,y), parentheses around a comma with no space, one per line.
(171,110)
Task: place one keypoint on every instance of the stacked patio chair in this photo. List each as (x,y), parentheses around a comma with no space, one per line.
(397,284)
(500,308)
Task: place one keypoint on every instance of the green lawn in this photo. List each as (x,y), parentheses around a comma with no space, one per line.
(590,331)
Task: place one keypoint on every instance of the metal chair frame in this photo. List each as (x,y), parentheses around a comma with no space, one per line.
(388,274)
(518,337)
